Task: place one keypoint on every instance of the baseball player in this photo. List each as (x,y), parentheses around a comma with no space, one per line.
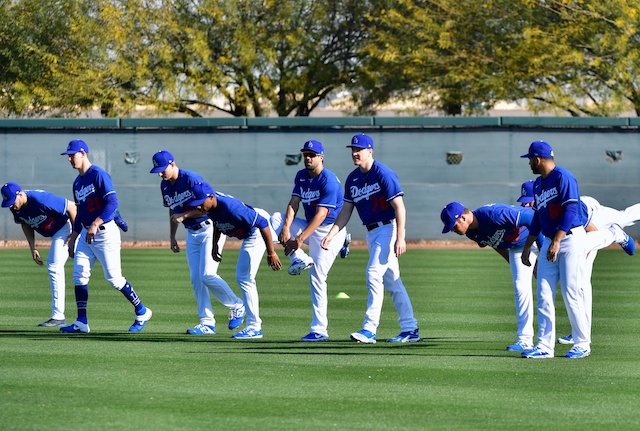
(374,190)
(204,247)
(505,229)
(320,192)
(561,219)
(603,229)
(52,217)
(238,220)
(97,203)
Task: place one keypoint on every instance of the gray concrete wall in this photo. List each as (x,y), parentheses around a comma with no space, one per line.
(249,164)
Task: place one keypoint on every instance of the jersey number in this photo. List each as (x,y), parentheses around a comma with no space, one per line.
(555,211)
(93,205)
(380,204)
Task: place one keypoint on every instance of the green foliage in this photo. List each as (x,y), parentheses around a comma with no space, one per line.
(459,378)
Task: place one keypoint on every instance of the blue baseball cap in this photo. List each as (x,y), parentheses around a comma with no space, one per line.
(539,149)
(76,146)
(315,146)
(201,192)
(9,192)
(526,192)
(161,160)
(450,215)
(361,141)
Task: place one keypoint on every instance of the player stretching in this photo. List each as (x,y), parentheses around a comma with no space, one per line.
(99,237)
(177,189)
(235,219)
(320,192)
(374,190)
(52,217)
(561,219)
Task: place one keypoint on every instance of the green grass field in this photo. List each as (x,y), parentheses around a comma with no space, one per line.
(459,377)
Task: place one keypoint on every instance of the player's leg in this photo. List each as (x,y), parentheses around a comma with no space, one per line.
(106,247)
(548,277)
(299,259)
(249,258)
(82,263)
(58,256)
(200,291)
(523,297)
(216,284)
(571,263)
(318,273)
(393,284)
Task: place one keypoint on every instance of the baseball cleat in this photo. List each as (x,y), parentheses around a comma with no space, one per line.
(314,336)
(566,340)
(344,252)
(247,334)
(520,346)
(141,321)
(202,329)
(577,353)
(236,317)
(53,322)
(298,266)
(76,327)
(120,221)
(406,337)
(536,353)
(626,242)
(364,336)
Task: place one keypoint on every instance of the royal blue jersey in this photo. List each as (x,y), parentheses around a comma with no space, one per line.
(95,196)
(45,212)
(501,226)
(176,195)
(323,191)
(371,192)
(551,195)
(234,218)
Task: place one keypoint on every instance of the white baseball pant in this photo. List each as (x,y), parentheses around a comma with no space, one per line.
(323,261)
(58,255)
(568,269)
(203,271)
(383,273)
(105,247)
(523,292)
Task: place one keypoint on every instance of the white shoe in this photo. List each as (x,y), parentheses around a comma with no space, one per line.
(298,266)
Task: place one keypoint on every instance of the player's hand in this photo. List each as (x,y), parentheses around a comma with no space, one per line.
(292,245)
(177,218)
(525,256)
(325,242)
(70,243)
(284,235)
(174,246)
(36,257)
(552,252)
(274,261)
(401,247)
(91,233)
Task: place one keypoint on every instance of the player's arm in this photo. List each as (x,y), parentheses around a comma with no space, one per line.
(341,221)
(401,216)
(295,243)
(290,214)
(272,257)
(72,212)
(29,234)
(173,228)
(179,218)
(502,252)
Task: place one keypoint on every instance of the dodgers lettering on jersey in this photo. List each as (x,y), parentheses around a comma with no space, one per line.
(176,195)
(323,191)
(551,195)
(45,212)
(501,226)
(234,218)
(371,192)
(90,193)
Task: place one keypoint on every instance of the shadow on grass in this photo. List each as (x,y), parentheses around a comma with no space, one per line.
(225,344)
